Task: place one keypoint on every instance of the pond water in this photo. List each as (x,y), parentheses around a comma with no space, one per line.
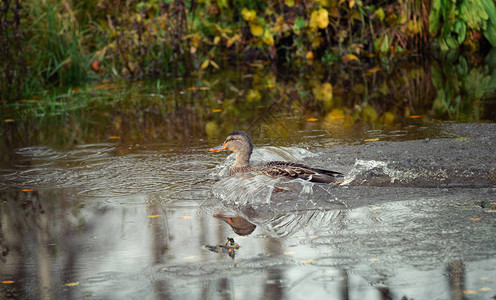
(119,197)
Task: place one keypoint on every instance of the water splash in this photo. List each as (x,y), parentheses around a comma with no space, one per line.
(374,172)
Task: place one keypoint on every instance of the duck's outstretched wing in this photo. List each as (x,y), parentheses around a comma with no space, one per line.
(294,170)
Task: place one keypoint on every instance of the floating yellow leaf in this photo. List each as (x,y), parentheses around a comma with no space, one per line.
(373,259)
(485,289)
(289,253)
(309,261)
(205,64)
(27,190)
(484,278)
(216,110)
(491,211)
(72,283)
(375,207)
(185,217)
(153,216)
(349,57)
(256,29)
(248,14)
(114,137)
(475,219)
(371,140)
(189,257)
(8,281)
(312,119)
(8,120)
(470,292)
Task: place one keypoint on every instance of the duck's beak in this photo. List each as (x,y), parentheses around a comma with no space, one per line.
(218,148)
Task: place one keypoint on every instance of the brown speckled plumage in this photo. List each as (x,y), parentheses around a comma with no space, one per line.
(240,143)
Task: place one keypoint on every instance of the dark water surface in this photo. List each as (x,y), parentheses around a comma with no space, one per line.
(117,201)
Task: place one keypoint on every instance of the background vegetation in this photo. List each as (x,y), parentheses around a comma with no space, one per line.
(48,43)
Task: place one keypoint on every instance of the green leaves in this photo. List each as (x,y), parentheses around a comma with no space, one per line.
(453,20)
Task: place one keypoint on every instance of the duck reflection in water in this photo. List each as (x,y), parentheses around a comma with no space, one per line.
(239,225)
(240,143)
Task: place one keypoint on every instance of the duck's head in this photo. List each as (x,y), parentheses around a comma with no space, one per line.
(237,141)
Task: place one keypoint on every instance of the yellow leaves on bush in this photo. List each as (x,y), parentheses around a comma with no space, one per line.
(208,62)
(249,14)
(253,96)
(319,19)
(268,38)
(256,29)
(349,57)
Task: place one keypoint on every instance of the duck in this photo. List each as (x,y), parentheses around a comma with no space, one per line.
(240,143)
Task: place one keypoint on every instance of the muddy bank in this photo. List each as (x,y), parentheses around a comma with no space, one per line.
(467,159)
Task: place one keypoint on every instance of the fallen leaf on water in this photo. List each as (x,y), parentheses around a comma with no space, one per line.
(475,219)
(375,207)
(189,257)
(485,289)
(309,261)
(216,110)
(185,217)
(72,283)
(8,281)
(27,190)
(415,116)
(484,278)
(289,253)
(153,216)
(491,211)
(371,140)
(312,119)
(114,137)
(373,259)
(469,292)
(8,120)
(461,138)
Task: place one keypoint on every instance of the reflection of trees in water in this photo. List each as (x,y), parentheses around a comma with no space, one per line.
(35,228)
(265,100)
